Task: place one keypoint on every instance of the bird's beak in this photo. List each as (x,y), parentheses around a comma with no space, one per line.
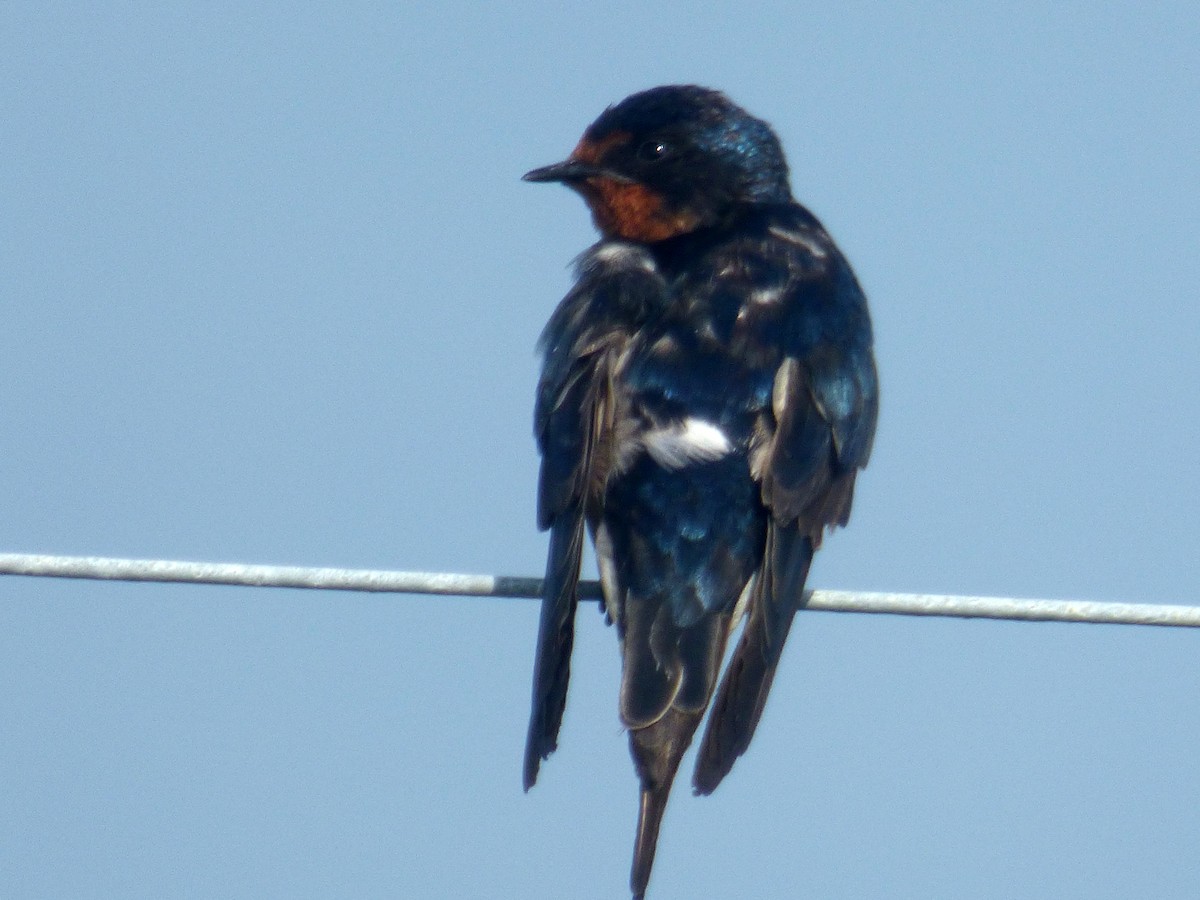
(567,171)
(572,171)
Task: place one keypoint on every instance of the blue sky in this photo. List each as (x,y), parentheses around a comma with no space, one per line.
(271,286)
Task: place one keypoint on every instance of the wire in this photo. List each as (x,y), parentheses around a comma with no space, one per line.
(162,570)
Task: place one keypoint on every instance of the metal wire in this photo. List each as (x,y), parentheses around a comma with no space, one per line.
(109,569)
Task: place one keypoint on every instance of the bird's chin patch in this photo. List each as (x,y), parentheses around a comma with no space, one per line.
(635,212)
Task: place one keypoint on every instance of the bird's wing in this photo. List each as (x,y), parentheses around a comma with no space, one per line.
(807,450)
(616,286)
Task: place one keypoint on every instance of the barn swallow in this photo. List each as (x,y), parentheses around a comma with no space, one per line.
(708,395)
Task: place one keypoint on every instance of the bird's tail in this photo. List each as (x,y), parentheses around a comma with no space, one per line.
(778,593)
(657,750)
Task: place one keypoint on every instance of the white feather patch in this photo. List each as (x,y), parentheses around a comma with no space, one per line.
(622,255)
(743,603)
(799,240)
(766,295)
(689,441)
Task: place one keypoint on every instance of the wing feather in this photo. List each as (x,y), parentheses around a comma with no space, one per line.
(806,453)
(573,419)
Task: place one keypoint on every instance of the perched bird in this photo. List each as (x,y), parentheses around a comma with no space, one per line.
(707,397)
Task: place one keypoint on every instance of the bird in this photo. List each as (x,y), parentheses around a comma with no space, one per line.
(708,395)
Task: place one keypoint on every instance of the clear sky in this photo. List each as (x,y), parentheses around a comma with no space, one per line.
(270,287)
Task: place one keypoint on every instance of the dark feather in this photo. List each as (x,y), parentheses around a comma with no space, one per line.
(777,595)
(573,425)
(656,750)
(811,442)
(651,671)
(566,429)
(556,637)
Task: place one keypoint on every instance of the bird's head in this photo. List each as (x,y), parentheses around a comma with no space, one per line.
(672,160)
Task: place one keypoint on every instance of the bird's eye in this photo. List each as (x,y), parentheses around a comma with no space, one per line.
(651,151)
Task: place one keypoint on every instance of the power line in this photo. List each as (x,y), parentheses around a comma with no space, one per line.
(162,570)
